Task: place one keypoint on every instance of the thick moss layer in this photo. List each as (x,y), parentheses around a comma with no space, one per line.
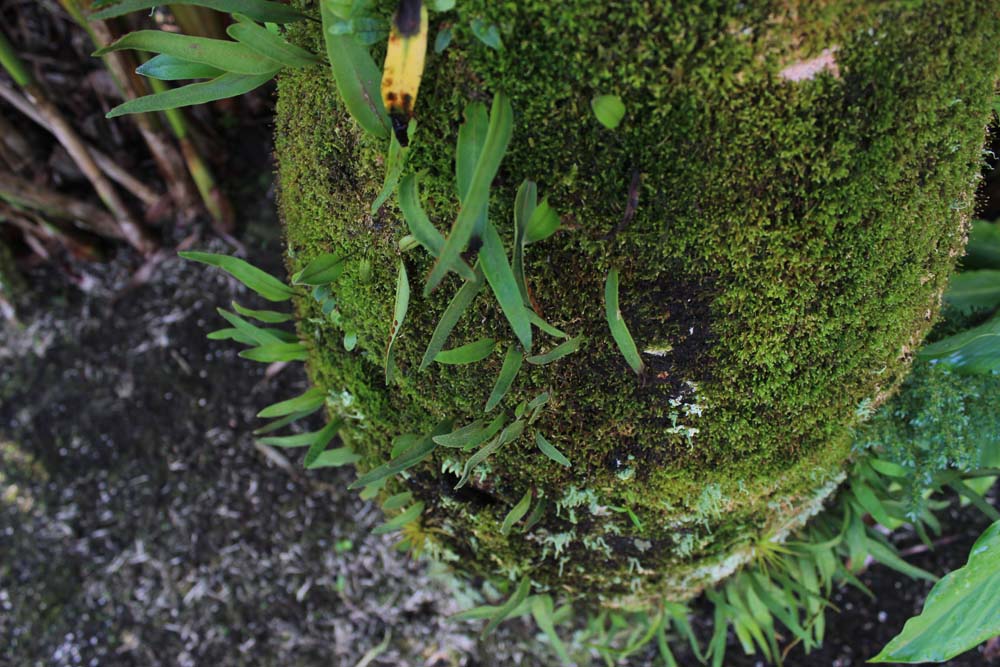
(789,247)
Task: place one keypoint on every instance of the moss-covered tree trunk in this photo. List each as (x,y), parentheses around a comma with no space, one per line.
(804,174)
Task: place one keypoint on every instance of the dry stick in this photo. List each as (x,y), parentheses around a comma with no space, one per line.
(24,193)
(77,150)
(36,228)
(116,173)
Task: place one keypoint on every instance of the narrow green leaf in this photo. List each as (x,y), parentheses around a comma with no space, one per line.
(416,453)
(171,68)
(259,281)
(258,10)
(550,451)
(507,608)
(516,513)
(487,33)
(267,316)
(871,504)
(368,30)
(219,88)
(398,315)
(468,353)
(442,40)
(268,44)
(420,225)
(888,557)
(536,514)
(411,514)
(219,53)
(294,440)
(511,365)
(558,352)
(258,335)
(504,285)
(545,326)
(541,610)
(544,222)
(983,251)
(231,334)
(619,331)
(309,400)
(961,611)
(272,352)
(358,78)
(394,164)
(969,291)
(321,270)
(476,200)
(972,352)
(511,433)
(524,208)
(452,314)
(472,434)
(334,458)
(609,110)
(471,140)
(397,501)
(285,421)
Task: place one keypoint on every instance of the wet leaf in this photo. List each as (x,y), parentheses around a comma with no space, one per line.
(558,352)
(511,365)
(609,110)
(398,315)
(258,10)
(259,281)
(972,352)
(550,451)
(619,331)
(171,68)
(516,513)
(468,353)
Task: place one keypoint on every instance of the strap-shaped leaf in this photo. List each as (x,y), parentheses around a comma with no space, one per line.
(268,316)
(544,223)
(258,10)
(472,434)
(413,455)
(550,451)
(323,438)
(542,610)
(219,88)
(504,285)
(471,139)
(452,314)
(284,421)
(322,270)
(309,400)
(231,334)
(476,200)
(394,164)
(544,326)
(511,433)
(258,335)
(524,208)
(172,68)
(507,608)
(516,513)
(358,77)
(259,281)
(468,353)
(619,331)
(408,198)
(397,501)
(558,352)
(511,365)
(398,315)
(334,458)
(411,514)
(227,56)
(266,43)
(272,352)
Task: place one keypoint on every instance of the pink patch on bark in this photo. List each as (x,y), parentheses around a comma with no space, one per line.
(808,69)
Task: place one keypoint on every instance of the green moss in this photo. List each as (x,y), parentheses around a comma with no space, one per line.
(790,245)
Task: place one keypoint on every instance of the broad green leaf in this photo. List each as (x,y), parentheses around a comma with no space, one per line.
(511,365)
(398,315)
(309,400)
(544,223)
(609,110)
(972,352)
(396,523)
(558,352)
(267,316)
(268,44)
(219,88)
(498,135)
(416,453)
(550,451)
(261,282)
(516,513)
(504,285)
(619,331)
(524,209)
(511,433)
(487,33)
(258,10)
(472,434)
(259,335)
(541,610)
(961,611)
(171,68)
(358,78)
(334,458)
(974,290)
(442,40)
(322,270)
(468,353)
(983,251)
(272,352)
(456,308)
(227,56)
(397,501)
(507,608)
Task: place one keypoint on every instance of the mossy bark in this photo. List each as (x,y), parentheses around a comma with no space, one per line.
(805,175)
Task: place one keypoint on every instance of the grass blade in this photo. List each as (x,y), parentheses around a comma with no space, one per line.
(308,401)
(558,352)
(171,68)
(219,88)
(524,209)
(266,43)
(411,514)
(219,53)
(541,610)
(261,282)
(468,353)
(321,271)
(501,279)
(452,314)
(258,10)
(358,77)
(550,451)
(516,513)
(474,204)
(619,331)
(272,352)
(398,315)
(511,365)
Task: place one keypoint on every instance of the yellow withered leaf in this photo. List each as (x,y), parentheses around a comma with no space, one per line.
(404,64)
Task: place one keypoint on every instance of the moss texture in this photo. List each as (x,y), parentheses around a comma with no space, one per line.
(790,244)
